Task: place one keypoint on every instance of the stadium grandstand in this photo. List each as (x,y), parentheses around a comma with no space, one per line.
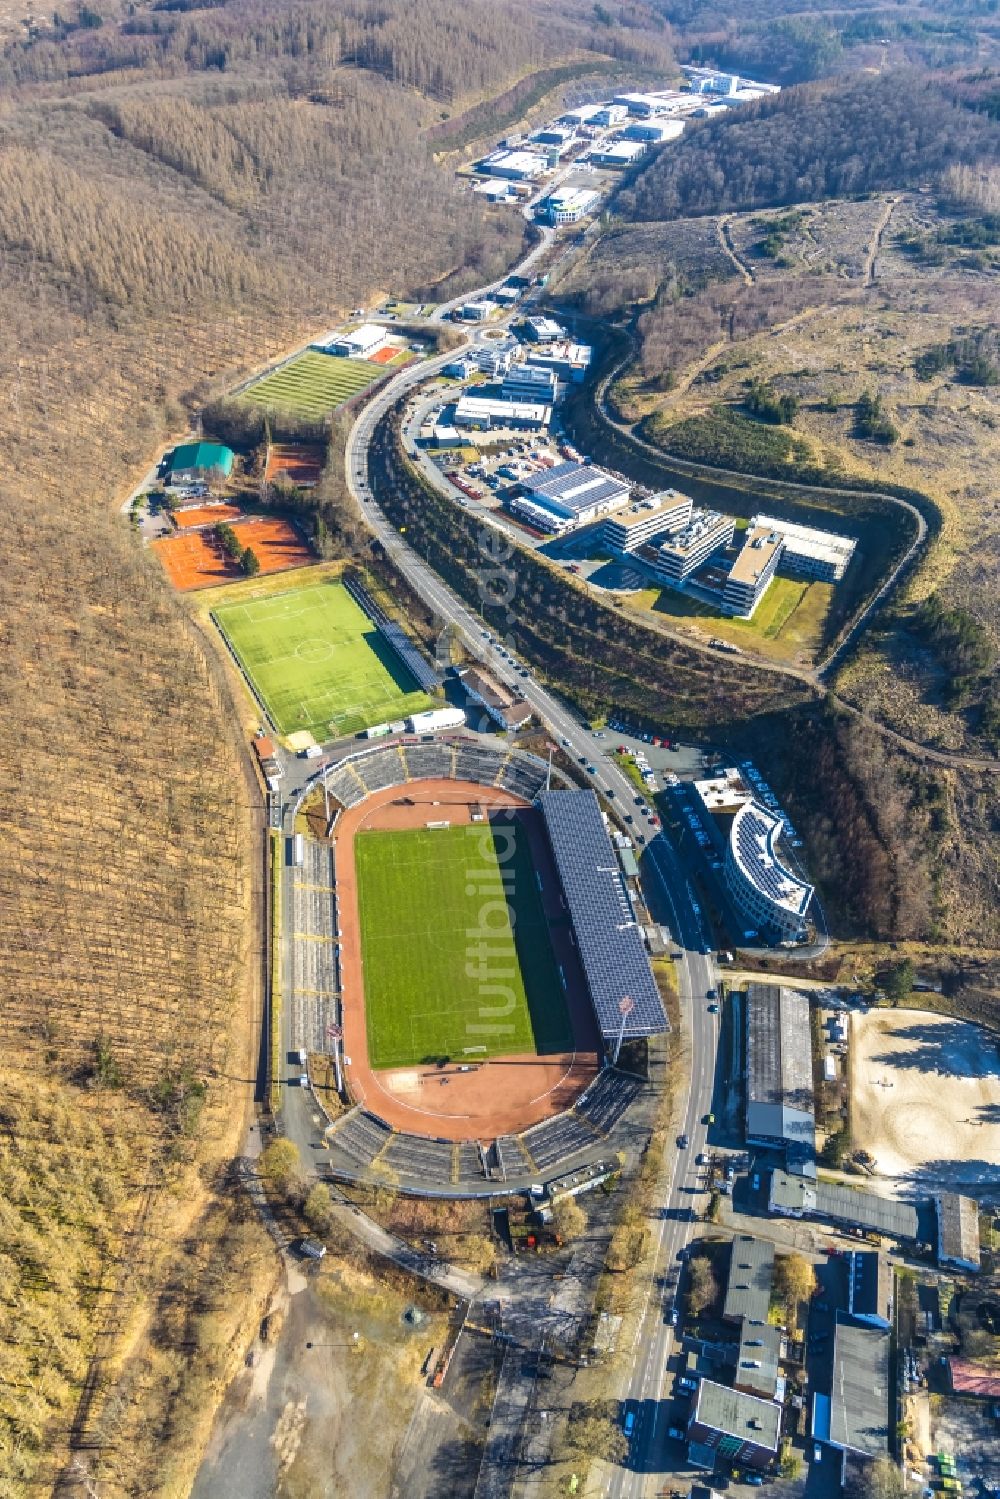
(622,988)
(421,672)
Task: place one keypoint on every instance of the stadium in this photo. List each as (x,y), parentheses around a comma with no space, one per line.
(483,967)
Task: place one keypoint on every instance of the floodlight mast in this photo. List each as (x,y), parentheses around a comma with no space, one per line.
(626,1005)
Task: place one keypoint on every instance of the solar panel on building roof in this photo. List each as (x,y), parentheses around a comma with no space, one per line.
(610,944)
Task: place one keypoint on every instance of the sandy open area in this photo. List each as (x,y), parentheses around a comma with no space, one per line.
(926,1097)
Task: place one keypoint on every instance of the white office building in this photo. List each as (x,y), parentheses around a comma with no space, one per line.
(617,156)
(751,574)
(768,894)
(642,106)
(517,166)
(809,552)
(654,132)
(543,330)
(496,191)
(568,205)
(492,360)
(706,533)
(609,114)
(569,360)
(478,312)
(574,494)
(582,115)
(529,382)
(480,413)
(656,515)
(359,343)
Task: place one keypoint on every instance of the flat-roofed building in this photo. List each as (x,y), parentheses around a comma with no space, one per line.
(567,205)
(559,134)
(477,311)
(529,382)
(577,492)
(609,114)
(749,1280)
(582,115)
(643,106)
(724,794)
(870,1287)
(654,132)
(500,702)
(809,552)
(766,892)
(478,411)
(518,166)
(617,155)
(751,574)
(758,1360)
(727,1424)
(495,191)
(543,330)
(655,515)
(779,1086)
(859,1399)
(570,361)
(706,533)
(799,1197)
(957,1231)
(492,359)
(359,343)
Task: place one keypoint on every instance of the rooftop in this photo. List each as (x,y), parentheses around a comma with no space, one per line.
(207,455)
(870,1284)
(643,511)
(516,161)
(748,1285)
(703,523)
(843,1204)
(859,1401)
(958,1228)
(809,541)
(513,411)
(745,1417)
(610,944)
(753,840)
(725,792)
(576,486)
(758,548)
(970,1378)
(758,1359)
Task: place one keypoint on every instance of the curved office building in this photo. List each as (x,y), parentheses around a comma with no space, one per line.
(767,893)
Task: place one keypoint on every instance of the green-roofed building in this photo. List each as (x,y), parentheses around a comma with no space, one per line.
(200,463)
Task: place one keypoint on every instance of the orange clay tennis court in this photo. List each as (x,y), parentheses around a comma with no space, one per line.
(383,356)
(205,515)
(195,559)
(298,463)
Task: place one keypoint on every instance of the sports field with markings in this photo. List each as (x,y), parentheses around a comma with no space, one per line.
(434,987)
(313,384)
(317,662)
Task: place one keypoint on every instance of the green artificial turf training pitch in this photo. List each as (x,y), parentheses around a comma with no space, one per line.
(421,894)
(314,383)
(317,662)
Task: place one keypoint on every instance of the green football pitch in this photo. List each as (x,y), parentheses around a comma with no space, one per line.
(456,950)
(317,662)
(314,383)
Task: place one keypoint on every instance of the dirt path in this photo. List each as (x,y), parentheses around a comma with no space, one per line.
(875,243)
(725,238)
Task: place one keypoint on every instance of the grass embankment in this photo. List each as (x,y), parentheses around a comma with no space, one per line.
(787,623)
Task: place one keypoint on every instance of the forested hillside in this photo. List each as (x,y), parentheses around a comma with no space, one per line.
(822,141)
(184,194)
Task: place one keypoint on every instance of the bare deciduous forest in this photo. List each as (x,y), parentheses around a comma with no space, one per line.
(185,195)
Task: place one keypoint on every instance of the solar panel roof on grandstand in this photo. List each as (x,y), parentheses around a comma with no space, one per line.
(576,486)
(610,944)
